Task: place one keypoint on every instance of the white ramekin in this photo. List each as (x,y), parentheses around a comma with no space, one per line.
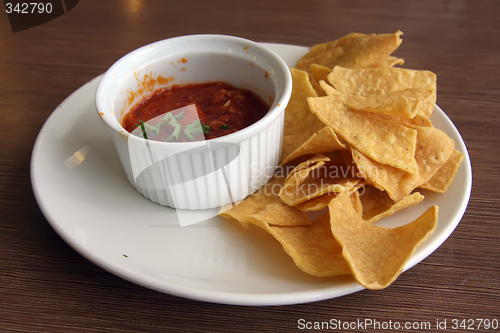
(204,174)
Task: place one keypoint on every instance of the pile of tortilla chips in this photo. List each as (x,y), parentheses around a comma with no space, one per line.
(358,143)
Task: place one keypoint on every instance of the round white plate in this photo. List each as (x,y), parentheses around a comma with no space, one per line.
(82,190)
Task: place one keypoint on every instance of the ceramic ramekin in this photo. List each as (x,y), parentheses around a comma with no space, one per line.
(203,174)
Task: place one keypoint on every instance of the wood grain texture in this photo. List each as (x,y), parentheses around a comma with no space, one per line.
(45,286)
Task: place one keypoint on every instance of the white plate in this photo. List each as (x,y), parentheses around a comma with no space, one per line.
(83,192)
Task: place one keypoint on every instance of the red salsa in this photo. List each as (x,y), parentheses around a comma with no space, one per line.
(194,112)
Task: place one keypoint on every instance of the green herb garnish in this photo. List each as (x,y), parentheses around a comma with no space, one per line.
(205,128)
(141,123)
(224,127)
(169,119)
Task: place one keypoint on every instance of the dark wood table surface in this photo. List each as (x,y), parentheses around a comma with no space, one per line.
(46,286)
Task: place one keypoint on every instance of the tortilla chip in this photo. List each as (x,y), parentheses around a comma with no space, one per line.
(328,46)
(323,141)
(312,248)
(386,86)
(321,202)
(318,72)
(317,88)
(427,105)
(382,80)
(267,205)
(299,124)
(374,202)
(378,204)
(403,104)
(371,127)
(328,59)
(313,162)
(297,114)
(443,178)
(368,51)
(417,121)
(356,202)
(384,141)
(316,177)
(394,104)
(316,204)
(390,61)
(434,148)
(376,255)
(326,52)
(352,51)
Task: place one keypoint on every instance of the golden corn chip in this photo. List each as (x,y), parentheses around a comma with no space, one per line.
(316,204)
(387,84)
(331,91)
(374,202)
(314,187)
(312,248)
(297,114)
(321,202)
(318,72)
(328,46)
(328,59)
(390,61)
(356,202)
(411,200)
(376,255)
(316,177)
(303,132)
(417,121)
(299,124)
(383,177)
(323,141)
(382,80)
(422,101)
(434,148)
(267,205)
(326,52)
(317,88)
(394,104)
(377,204)
(358,131)
(313,162)
(401,104)
(443,178)
(427,105)
(384,141)
(352,51)
(368,51)
(419,87)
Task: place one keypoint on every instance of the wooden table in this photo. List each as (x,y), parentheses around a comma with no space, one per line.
(46,286)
